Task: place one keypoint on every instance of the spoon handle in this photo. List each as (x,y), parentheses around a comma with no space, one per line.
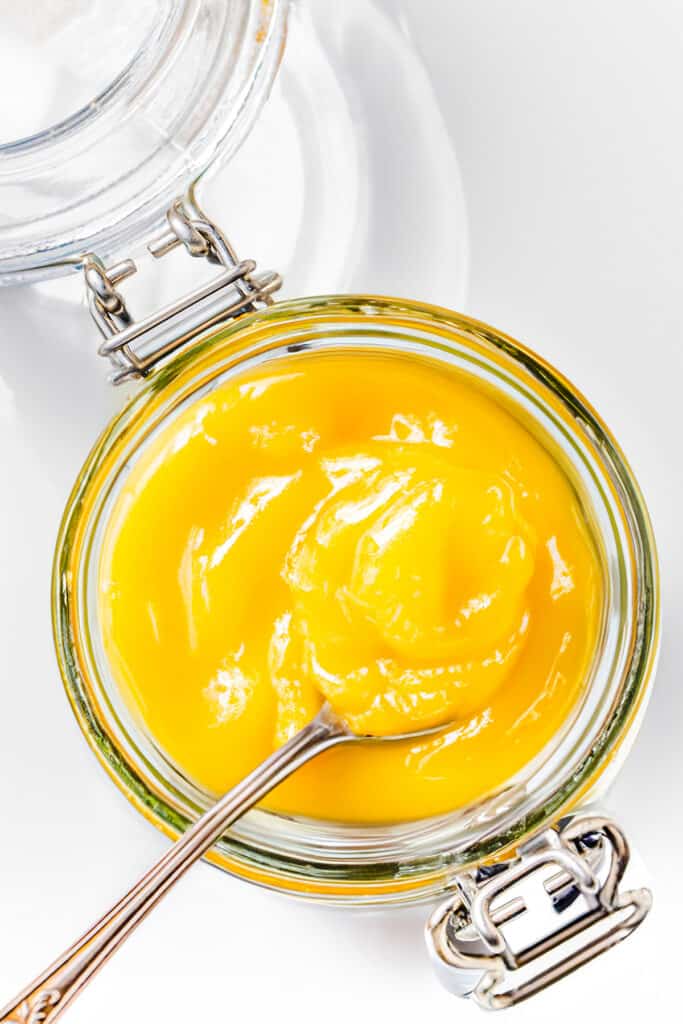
(46,997)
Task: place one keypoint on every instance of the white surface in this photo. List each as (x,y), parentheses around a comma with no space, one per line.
(566,120)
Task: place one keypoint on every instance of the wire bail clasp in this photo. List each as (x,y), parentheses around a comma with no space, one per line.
(134,348)
(564,886)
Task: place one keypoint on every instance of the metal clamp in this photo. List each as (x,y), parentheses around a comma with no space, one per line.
(134,348)
(566,880)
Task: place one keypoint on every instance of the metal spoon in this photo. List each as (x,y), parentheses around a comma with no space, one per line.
(44,999)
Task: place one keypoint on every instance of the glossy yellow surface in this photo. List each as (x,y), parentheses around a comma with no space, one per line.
(369,529)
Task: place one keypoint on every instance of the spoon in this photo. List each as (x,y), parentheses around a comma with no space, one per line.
(46,997)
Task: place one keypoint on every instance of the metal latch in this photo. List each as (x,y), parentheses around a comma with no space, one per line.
(565,882)
(134,348)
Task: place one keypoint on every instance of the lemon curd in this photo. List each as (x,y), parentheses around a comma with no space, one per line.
(375,531)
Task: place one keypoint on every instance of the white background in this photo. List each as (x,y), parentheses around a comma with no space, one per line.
(567,121)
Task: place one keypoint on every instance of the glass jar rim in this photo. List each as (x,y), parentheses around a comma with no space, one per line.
(378,863)
(102,178)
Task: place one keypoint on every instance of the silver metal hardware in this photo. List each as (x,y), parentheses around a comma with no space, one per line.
(46,998)
(54,990)
(134,348)
(574,869)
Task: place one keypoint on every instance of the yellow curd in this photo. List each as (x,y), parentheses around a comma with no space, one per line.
(371,530)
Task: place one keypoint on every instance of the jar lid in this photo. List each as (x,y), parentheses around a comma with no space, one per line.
(114,116)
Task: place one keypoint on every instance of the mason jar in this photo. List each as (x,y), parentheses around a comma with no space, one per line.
(538,820)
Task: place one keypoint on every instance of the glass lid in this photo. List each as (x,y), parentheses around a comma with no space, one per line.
(104,120)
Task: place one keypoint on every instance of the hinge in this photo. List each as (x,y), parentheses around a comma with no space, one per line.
(135,347)
(564,883)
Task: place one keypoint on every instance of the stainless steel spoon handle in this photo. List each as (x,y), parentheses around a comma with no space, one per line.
(45,998)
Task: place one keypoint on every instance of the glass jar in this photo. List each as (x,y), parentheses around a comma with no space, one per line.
(220,328)
(152,96)
(345,863)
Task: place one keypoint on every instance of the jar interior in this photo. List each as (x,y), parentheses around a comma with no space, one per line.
(77,54)
(361,863)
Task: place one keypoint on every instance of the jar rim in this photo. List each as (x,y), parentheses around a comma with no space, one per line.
(376,863)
